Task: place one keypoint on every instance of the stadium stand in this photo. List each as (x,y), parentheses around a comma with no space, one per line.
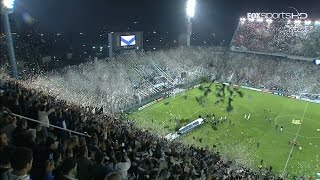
(115,148)
(281,37)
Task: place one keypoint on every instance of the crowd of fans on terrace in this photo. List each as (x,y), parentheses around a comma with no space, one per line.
(126,80)
(276,37)
(114,150)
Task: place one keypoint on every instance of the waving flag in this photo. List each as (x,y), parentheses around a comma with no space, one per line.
(128,40)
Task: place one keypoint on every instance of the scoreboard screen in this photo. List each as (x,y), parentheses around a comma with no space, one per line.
(129,40)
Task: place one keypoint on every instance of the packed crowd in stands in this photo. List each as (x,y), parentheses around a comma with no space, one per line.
(125,80)
(277,37)
(111,148)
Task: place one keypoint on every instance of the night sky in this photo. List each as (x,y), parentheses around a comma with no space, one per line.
(212,16)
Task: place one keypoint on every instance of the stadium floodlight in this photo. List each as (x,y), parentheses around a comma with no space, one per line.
(242,19)
(7,8)
(8,4)
(307,22)
(259,20)
(191,5)
(269,20)
(297,22)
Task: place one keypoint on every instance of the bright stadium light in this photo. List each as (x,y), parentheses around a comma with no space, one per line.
(297,22)
(259,20)
(242,19)
(191,4)
(269,20)
(7,8)
(8,3)
(307,22)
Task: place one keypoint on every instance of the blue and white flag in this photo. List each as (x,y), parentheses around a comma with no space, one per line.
(128,40)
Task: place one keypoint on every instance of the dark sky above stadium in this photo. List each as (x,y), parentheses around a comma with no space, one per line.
(212,16)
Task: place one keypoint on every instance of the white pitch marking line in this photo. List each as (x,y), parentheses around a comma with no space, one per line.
(285,167)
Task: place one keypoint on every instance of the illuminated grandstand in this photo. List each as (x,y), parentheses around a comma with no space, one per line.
(278,37)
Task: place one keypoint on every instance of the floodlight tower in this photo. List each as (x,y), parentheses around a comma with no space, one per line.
(191,4)
(7,8)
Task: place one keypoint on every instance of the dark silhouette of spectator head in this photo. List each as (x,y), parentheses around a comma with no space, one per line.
(52,143)
(42,108)
(99,157)
(113,176)
(21,161)
(3,139)
(69,167)
(5,157)
(83,151)
(118,156)
(22,124)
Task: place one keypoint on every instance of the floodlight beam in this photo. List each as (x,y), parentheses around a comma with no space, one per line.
(191,4)
(7,9)
(8,4)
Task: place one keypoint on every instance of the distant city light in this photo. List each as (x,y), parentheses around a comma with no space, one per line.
(251,19)
(83,45)
(191,4)
(154,48)
(58,34)
(93,47)
(154,32)
(81,33)
(8,3)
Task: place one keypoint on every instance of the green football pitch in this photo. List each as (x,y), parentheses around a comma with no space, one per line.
(249,142)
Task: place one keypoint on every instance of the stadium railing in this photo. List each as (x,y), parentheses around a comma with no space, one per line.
(50,125)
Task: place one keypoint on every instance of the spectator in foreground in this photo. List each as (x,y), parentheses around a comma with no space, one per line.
(3,139)
(21,164)
(68,170)
(98,170)
(43,114)
(9,128)
(122,167)
(113,176)
(4,160)
(84,164)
